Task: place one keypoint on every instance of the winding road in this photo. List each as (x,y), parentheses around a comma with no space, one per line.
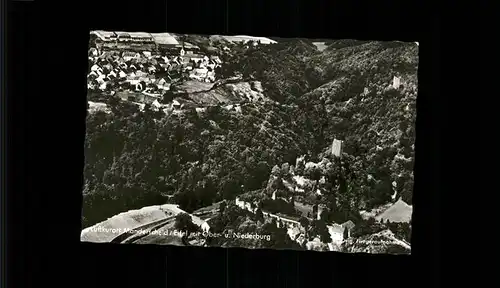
(141,231)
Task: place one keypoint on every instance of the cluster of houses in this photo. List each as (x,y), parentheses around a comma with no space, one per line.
(145,75)
(118,40)
(121,71)
(139,71)
(184,58)
(336,231)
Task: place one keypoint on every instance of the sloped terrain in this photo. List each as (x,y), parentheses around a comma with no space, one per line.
(399,212)
(289,102)
(229,93)
(381,242)
(107,230)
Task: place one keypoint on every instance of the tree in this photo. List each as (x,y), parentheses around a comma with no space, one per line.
(279,237)
(322,231)
(304,222)
(371,221)
(315,174)
(324,215)
(222,207)
(259,214)
(184,222)
(168,97)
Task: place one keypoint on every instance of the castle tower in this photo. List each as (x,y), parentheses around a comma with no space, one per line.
(318,215)
(337,147)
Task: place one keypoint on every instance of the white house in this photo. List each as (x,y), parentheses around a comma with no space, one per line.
(318,214)
(94,67)
(175,105)
(156,104)
(349,225)
(205,227)
(396,82)
(240,203)
(161,82)
(93,75)
(138,87)
(336,233)
(93,52)
(100,79)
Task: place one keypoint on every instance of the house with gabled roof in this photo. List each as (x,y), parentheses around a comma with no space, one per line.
(349,225)
(143,37)
(104,35)
(190,48)
(161,81)
(205,227)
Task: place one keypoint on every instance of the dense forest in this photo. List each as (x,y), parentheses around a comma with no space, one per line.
(139,158)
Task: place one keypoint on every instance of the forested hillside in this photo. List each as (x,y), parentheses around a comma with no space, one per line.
(196,158)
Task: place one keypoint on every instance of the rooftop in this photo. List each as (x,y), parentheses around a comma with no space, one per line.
(122,34)
(398,212)
(335,228)
(244,38)
(188,45)
(193,56)
(165,39)
(103,34)
(140,35)
(349,224)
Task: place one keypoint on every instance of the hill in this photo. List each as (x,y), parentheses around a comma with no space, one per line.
(287,101)
(195,157)
(112,227)
(399,212)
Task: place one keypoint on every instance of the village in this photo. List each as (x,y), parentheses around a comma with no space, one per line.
(143,76)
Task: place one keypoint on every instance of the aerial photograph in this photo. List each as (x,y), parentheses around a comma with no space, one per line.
(250,142)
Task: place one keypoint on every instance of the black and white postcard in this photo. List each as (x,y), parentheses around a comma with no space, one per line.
(252,142)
